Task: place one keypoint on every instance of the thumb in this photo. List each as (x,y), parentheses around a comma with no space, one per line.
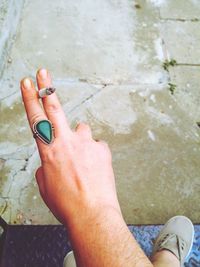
(39,175)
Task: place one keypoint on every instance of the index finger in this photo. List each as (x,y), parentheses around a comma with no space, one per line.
(32,105)
(33,108)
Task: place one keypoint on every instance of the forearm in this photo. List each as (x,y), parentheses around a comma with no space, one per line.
(105,240)
(76,169)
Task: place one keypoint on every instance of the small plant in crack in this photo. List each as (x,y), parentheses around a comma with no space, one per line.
(138,6)
(172,88)
(169,63)
(195,20)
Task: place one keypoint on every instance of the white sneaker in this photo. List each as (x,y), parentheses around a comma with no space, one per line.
(69,260)
(176,236)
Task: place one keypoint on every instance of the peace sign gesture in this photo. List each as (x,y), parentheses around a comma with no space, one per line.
(76,171)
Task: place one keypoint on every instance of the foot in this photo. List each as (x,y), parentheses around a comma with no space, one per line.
(165,258)
(176,237)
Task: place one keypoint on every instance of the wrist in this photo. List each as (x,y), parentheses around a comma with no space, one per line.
(85,217)
(94,237)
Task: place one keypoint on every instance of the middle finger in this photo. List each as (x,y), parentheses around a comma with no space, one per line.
(52,105)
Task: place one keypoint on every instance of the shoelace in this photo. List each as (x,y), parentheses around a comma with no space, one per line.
(179,242)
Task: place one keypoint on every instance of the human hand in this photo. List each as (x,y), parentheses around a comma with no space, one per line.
(76,177)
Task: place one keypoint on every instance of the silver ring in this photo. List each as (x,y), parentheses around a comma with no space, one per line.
(46,91)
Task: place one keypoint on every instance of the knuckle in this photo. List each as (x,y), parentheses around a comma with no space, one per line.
(36,117)
(104,144)
(83,128)
(48,156)
(38,171)
(104,147)
(54,154)
(105,154)
(53,108)
(83,125)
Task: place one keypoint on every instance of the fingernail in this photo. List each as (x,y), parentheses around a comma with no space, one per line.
(43,73)
(27,83)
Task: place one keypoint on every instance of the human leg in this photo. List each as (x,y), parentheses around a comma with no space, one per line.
(171,248)
(165,258)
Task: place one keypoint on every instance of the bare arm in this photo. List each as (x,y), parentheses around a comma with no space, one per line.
(106,241)
(77,183)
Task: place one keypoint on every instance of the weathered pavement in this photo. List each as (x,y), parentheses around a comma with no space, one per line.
(131,69)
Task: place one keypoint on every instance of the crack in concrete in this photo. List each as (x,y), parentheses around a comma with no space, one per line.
(4,207)
(85,100)
(180,20)
(3,197)
(10,155)
(21,191)
(104,86)
(88,82)
(1,99)
(11,182)
(24,168)
(6,159)
(188,64)
(27,161)
(12,18)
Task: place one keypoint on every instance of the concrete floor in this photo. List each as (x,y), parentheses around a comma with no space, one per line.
(106,58)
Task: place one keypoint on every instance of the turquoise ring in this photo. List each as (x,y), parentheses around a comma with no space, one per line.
(43,130)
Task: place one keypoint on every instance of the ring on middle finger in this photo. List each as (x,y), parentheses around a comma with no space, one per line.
(46,91)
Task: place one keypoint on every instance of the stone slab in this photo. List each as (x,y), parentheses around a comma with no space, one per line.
(155,148)
(21,202)
(187,93)
(99,41)
(180,10)
(10,13)
(182,41)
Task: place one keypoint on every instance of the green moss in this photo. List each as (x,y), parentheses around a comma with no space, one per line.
(169,63)
(138,6)
(195,20)
(172,87)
